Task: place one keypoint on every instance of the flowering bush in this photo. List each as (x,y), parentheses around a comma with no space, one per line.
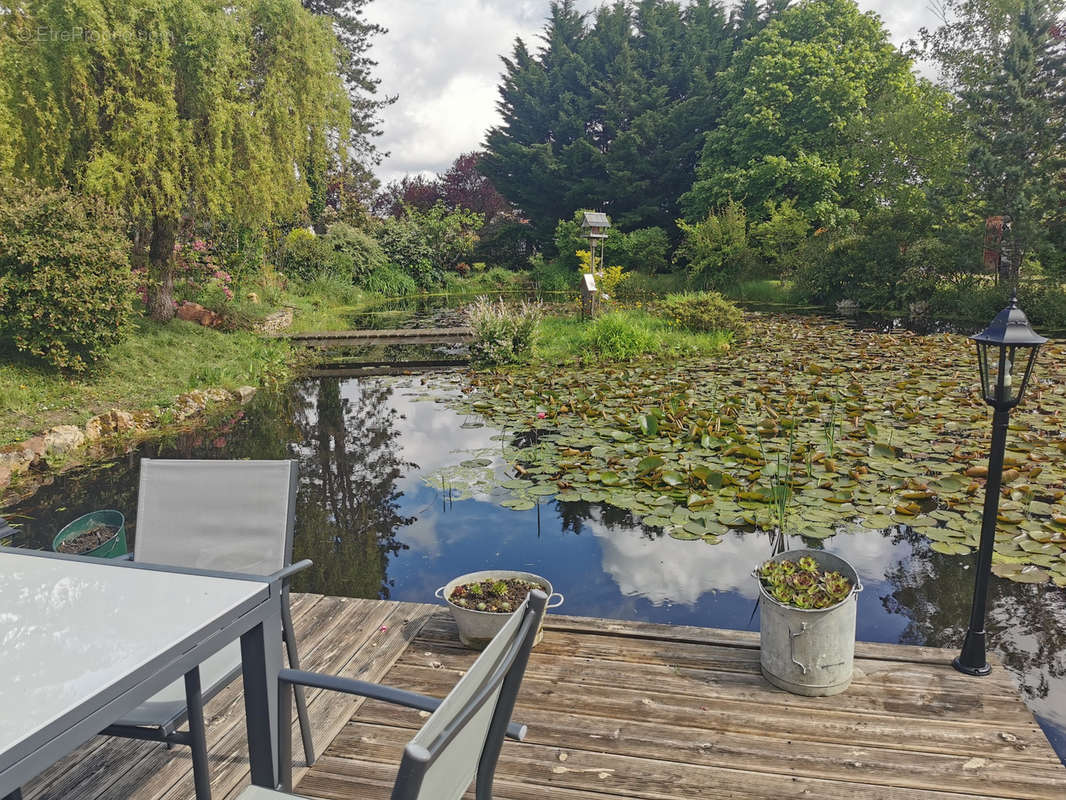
(607,278)
(199,278)
(503,333)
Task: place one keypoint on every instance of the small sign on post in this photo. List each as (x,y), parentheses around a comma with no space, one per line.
(589,295)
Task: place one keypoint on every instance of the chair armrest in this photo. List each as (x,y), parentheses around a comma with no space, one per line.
(285,573)
(375,691)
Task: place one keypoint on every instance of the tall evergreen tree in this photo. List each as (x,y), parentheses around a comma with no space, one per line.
(611,113)
(354,38)
(1017,117)
(539,156)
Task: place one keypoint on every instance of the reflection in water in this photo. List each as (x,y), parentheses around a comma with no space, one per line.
(667,571)
(375,528)
(1025,624)
(348,505)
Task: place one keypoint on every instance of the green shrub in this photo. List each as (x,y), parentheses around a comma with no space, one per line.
(618,335)
(304,255)
(702,312)
(390,281)
(975,300)
(568,239)
(66,289)
(779,238)
(428,244)
(242,252)
(644,250)
(852,266)
(498,277)
(715,251)
(554,276)
(504,333)
(504,242)
(354,252)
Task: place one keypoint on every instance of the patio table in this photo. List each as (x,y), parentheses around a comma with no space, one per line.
(84,641)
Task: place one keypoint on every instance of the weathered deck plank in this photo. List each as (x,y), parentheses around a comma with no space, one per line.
(619,710)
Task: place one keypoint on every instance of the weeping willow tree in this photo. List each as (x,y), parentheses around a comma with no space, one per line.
(172,111)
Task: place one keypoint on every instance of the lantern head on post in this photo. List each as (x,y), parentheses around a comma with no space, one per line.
(1006,352)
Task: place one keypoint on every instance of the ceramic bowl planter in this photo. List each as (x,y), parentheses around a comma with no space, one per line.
(809,651)
(476,628)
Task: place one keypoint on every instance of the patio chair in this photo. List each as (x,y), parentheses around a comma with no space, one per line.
(461,740)
(235,516)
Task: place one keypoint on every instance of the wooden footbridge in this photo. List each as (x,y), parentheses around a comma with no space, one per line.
(371,338)
(618,710)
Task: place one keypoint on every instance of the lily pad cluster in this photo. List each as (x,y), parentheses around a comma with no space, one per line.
(806,425)
(803,584)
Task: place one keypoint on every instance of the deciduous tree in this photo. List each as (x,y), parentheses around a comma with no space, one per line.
(174,111)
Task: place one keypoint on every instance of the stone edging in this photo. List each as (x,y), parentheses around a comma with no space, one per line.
(63,440)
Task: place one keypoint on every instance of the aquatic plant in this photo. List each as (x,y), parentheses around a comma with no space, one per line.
(803,584)
(888,431)
(503,332)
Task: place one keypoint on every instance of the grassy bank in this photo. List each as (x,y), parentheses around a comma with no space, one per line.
(153,365)
(619,335)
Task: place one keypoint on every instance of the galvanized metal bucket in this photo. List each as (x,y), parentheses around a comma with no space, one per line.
(476,628)
(809,651)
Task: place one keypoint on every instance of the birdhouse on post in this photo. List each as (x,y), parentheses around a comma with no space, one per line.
(595,225)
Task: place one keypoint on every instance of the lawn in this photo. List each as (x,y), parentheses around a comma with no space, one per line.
(153,365)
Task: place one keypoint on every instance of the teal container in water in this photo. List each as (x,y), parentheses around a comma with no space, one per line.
(112,548)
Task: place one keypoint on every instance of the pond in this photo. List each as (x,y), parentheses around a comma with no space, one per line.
(403,484)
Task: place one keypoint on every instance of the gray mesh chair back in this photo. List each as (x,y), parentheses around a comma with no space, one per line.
(233,516)
(461,741)
(236,516)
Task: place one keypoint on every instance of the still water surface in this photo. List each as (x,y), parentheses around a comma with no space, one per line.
(376,520)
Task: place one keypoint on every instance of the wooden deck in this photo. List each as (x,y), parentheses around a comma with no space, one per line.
(622,710)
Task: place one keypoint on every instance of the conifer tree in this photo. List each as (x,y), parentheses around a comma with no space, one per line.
(1016,117)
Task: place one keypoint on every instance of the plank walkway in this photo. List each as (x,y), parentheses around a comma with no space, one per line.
(365,338)
(622,710)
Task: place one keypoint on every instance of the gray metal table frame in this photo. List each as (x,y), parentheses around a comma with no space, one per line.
(257,622)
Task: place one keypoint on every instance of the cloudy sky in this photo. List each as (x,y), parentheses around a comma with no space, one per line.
(442,59)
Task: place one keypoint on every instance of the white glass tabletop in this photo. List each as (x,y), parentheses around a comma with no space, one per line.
(71,629)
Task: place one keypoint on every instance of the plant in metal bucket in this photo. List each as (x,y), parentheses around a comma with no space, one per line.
(494,596)
(803,584)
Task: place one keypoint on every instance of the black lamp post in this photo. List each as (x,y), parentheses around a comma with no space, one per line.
(1006,352)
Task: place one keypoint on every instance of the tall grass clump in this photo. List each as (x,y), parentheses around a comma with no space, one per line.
(617,336)
(391,281)
(504,333)
(329,287)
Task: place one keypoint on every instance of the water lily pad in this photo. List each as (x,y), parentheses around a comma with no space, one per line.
(516,483)
(519,504)
(950,548)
